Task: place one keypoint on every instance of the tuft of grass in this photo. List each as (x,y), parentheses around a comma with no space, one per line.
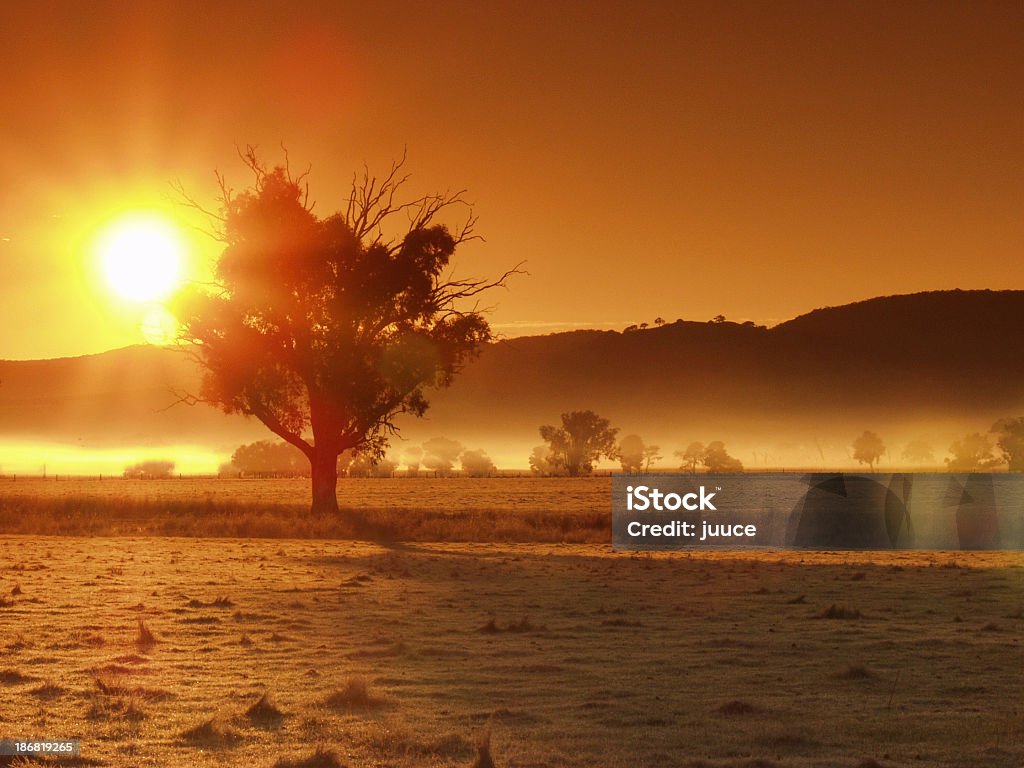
(14,677)
(840,612)
(144,638)
(245,640)
(355,695)
(264,711)
(48,690)
(211,733)
(16,591)
(321,758)
(736,708)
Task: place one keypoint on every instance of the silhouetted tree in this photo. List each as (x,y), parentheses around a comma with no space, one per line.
(651,455)
(440,454)
(1010,439)
(630,453)
(659,321)
(583,439)
(717,459)
(868,449)
(974,453)
(327,329)
(361,465)
(150,470)
(718,319)
(919,452)
(477,463)
(691,456)
(268,457)
(540,461)
(635,455)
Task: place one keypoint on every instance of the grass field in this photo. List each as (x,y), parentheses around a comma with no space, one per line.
(190,652)
(517,509)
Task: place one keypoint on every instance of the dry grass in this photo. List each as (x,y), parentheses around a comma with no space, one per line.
(211,733)
(144,638)
(496,509)
(355,695)
(321,758)
(264,712)
(380,658)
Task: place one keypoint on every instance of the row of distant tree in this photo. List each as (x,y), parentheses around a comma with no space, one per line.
(584,438)
(439,455)
(1002,445)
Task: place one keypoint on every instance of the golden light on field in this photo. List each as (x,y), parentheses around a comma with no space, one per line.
(141,257)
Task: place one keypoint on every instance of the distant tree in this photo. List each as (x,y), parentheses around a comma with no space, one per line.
(717,459)
(718,319)
(227,469)
(868,449)
(918,452)
(635,455)
(327,329)
(630,453)
(691,456)
(651,455)
(477,463)
(974,453)
(150,470)
(659,321)
(583,439)
(269,457)
(362,465)
(440,454)
(644,326)
(1010,439)
(631,328)
(540,461)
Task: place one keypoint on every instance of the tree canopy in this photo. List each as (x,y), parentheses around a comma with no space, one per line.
(868,449)
(327,329)
(583,439)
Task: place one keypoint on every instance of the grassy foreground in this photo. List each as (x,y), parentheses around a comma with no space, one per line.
(191,652)
(418,509)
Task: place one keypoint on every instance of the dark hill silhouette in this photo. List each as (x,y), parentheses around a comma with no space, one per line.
(950,355)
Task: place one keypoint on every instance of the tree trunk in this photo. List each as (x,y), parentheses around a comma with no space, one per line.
(325,482)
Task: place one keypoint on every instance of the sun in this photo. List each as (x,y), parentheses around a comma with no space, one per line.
(141,257)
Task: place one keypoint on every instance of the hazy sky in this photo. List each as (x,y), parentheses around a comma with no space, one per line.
(756,159)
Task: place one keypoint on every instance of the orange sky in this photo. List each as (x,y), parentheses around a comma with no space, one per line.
(678,159)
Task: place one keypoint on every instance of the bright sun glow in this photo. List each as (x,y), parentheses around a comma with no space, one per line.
(141,257)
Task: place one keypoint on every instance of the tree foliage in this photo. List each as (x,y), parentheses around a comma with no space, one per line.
(692,455)
(583,439)
(327,329)
(717,459)
(269,457)
(635,455)
(868,448)
(973,453)
(440,454)
(1010,439)
(476,463)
